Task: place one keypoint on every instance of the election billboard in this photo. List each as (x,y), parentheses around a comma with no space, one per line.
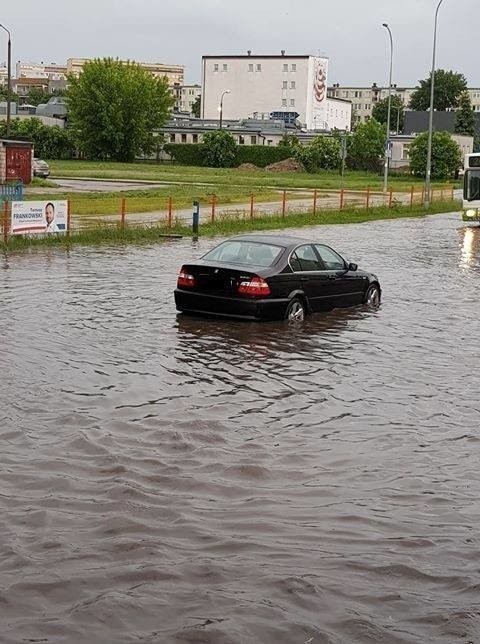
(37,217)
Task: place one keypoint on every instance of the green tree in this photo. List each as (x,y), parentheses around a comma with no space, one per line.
(449,86)
(219,149)
(323,153)
(367,146)
(114,108)
(50,142)
(446,155)
(397,114)
(37,95)
(197,106)
(465,122)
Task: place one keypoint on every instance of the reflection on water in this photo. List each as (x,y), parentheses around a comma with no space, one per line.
(470,243)
(167,478)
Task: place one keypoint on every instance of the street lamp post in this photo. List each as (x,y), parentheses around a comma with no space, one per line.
(428,173)
(220,107)
(9,78)
(387,140)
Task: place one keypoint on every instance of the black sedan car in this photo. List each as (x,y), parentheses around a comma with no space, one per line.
(265,277)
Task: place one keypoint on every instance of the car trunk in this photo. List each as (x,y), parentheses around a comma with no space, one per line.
(217,280)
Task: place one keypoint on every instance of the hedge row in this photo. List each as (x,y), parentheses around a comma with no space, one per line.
(259,155)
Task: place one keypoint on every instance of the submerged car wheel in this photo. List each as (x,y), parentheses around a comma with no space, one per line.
(295,311)
(372,296)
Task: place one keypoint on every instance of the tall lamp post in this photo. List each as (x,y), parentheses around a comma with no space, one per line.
(389,109)
(9,78)
(428,173)
(220,107)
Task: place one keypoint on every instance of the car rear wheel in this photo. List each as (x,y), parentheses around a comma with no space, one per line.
(372,296)
(295,311)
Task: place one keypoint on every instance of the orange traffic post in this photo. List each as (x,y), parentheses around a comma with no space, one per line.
(5,222)
(368,198)
(315,201)
(69,218)
(284,203)
(342,198)
(170,209)
(390,198)
(412,191)
(251,206)
(123,212)
(213,208)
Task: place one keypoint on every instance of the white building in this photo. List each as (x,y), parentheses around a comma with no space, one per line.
(50,71)
(185,97)
(261,85)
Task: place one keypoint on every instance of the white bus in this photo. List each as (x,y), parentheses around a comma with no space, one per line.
(471,188)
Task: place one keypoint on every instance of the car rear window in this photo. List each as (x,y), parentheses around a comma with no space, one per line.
(245,252)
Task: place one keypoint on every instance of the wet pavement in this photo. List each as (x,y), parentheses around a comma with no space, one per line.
(175,479)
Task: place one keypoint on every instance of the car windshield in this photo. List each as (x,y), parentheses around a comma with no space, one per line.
(244,252)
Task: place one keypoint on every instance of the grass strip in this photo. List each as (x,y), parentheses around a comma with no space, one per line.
(114,234)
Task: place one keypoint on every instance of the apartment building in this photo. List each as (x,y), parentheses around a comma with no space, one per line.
(185,97)
(364,99)
(260,86)
(50,71)
(3,74)
(174,73)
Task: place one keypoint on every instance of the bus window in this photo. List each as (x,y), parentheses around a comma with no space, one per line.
(472,185)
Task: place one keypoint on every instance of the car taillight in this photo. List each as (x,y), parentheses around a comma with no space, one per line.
(185,279)
(254,286)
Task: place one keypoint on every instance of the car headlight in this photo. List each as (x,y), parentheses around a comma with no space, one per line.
(471,213)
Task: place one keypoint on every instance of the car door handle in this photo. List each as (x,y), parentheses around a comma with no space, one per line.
(331,277)
(304,280)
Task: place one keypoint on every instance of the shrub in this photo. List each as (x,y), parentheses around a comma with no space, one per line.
(261,155)
(446,155)
(219,149)
(323,153)
(185,153)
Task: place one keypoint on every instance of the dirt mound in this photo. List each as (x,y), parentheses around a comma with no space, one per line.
(287,165)
(248,166)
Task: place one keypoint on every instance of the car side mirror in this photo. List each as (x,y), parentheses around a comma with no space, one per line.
(352,266)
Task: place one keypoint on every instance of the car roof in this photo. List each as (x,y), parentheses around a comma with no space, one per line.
(277,240)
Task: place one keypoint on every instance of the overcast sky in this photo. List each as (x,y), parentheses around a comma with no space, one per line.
(349,32)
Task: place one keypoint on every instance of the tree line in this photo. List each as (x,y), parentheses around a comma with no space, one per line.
(114,109)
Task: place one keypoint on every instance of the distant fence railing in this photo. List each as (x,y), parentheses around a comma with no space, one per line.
(11,191)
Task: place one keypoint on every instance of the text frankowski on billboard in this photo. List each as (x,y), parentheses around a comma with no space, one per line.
(30,217)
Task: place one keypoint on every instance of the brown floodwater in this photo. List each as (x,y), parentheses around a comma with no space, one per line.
(175,479)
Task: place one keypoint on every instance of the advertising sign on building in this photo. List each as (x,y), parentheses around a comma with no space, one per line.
(317,92)
(33,217)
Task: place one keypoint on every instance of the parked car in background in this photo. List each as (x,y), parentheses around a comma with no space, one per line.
(40,168)
(272,277)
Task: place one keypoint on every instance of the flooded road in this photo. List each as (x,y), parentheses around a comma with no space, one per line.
(174,479)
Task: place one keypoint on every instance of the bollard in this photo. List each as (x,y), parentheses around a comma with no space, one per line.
(170,208)
(214,198)
(342,195)
(69,218)
(412,190)
(390,198)
(251,205)
(123,211)
(195,217)
(284,203)
(315,201)
(5,222)
(368,198)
